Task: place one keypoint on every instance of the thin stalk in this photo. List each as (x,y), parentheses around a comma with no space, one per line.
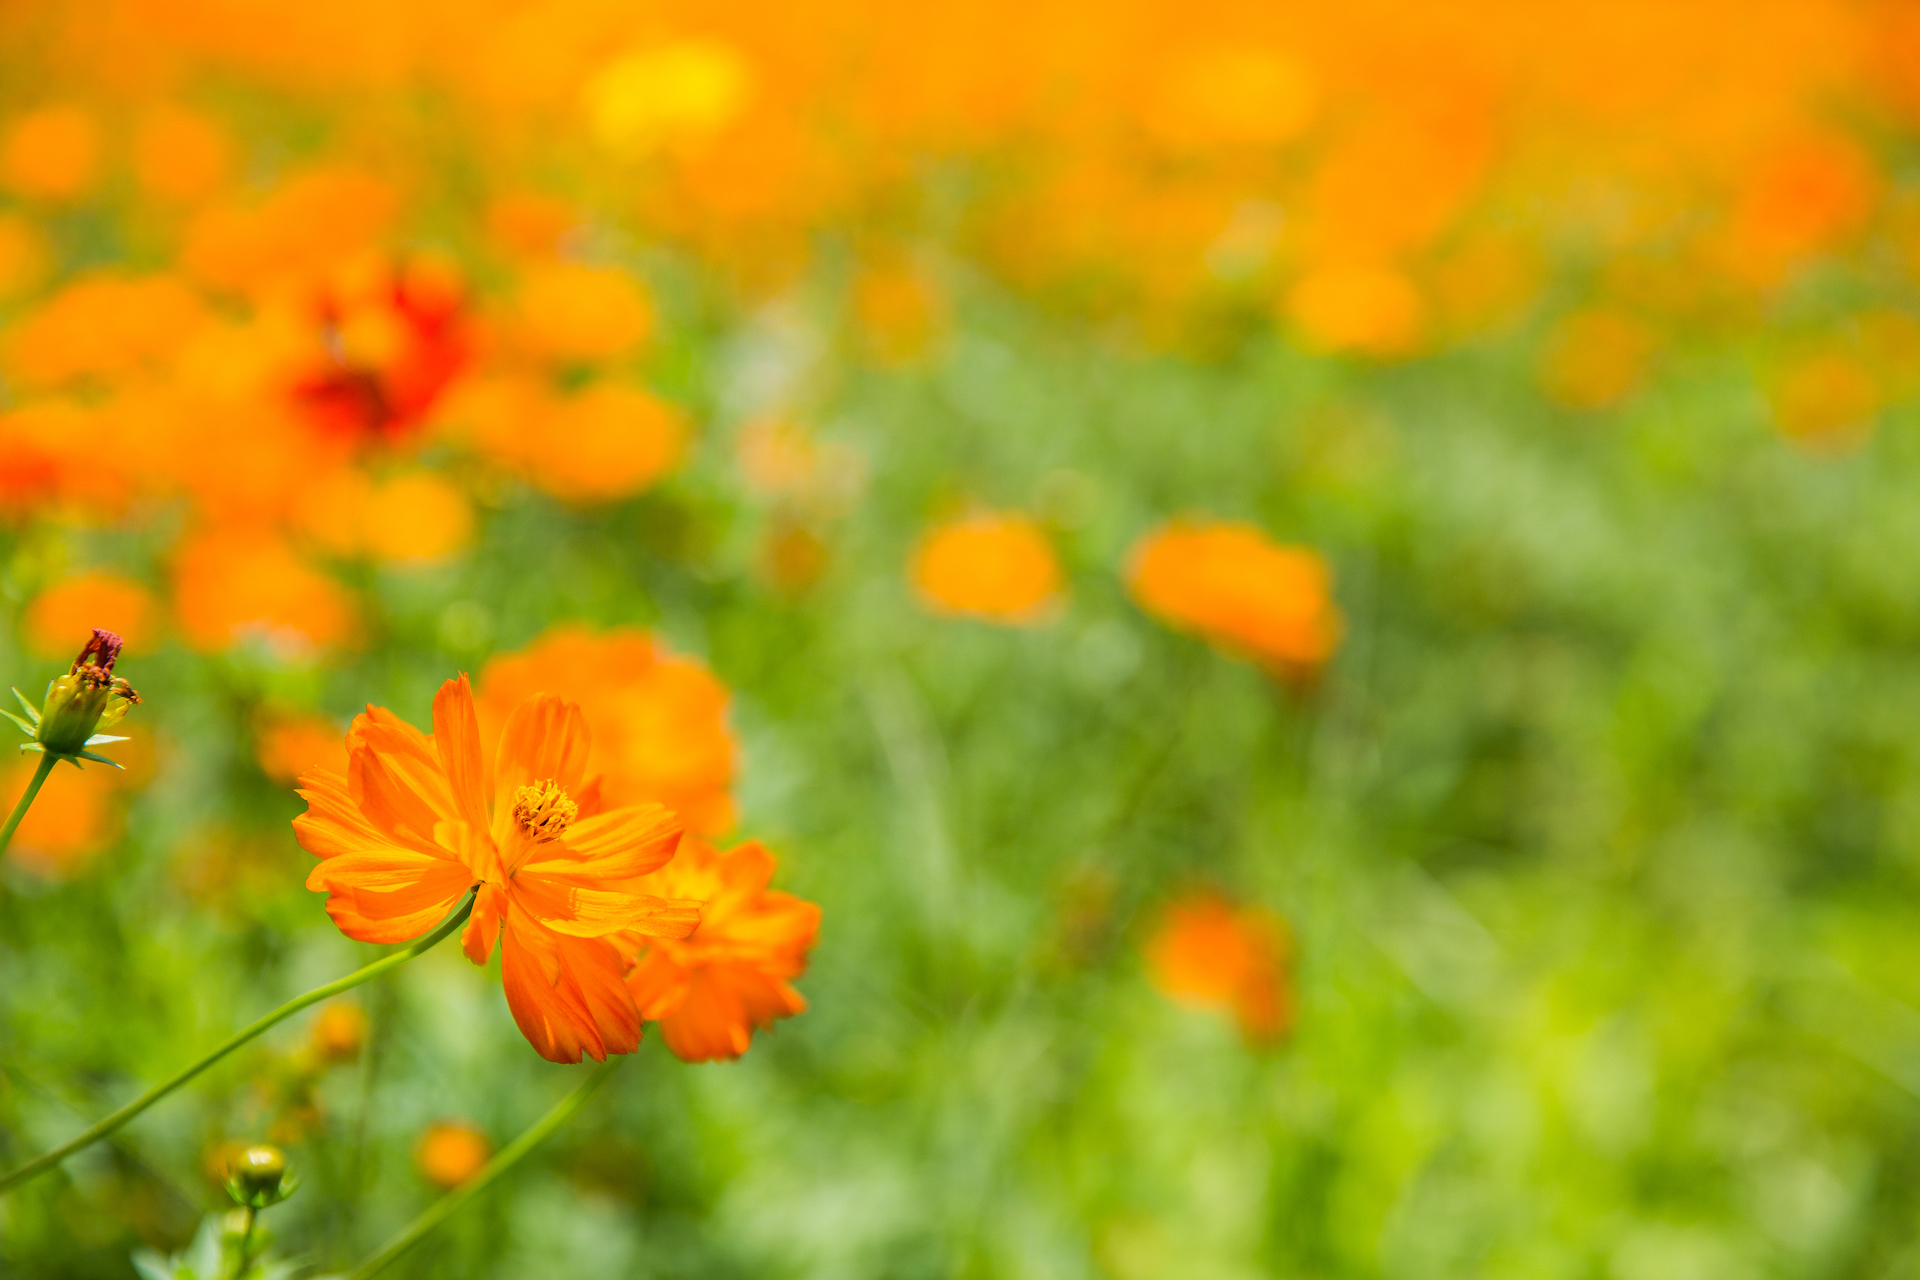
(100,1129)
(246,1244)
(47,761)
(446,1206)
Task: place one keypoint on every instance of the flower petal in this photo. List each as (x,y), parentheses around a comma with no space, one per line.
(483,926)
(545,737)
(566,994)
(615,845)
(391,896)
(585,910)
(456,741)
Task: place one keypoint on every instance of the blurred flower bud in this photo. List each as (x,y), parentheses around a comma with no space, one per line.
(79,705)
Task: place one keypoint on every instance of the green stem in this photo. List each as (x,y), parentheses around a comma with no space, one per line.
(246,1244)
(449,1204)
(101,1129)
(47,761)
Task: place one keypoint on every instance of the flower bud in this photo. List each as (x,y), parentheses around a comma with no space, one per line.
(257,1177)
(80,704)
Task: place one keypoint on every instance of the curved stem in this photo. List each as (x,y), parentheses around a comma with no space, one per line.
(47,761)
(246,1243)
(102,1128)
(449,1204)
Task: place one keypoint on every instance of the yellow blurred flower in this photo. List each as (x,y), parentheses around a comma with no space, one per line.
(675,95)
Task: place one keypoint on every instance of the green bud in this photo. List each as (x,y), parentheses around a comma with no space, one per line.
(79,705)
(258,1177)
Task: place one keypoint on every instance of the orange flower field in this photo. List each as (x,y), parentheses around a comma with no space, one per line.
(1136,641)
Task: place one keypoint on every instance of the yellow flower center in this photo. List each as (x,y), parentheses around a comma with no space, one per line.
(544,809)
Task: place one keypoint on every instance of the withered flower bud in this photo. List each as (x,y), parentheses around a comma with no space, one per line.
(79,705)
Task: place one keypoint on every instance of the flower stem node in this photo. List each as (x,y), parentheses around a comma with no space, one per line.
(79,705)
(257,1178)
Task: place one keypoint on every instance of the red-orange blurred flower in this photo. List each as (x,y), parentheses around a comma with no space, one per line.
(997,566)
(1213,954)
(390,341)
(339,1032)
(659,719)
(711,990)
(52,152)
(1238,588)
(418,821)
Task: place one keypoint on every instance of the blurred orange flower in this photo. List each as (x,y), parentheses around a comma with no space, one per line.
(415,517)
(711,990)
(998,566)
(180,154)
(287,744)
(69,609)
(77,815)
(1595,358)
(339,1032)
(606,441)
(424,820)
(235,584)
(1372,310)
(1825,401)
(1233,585)
(659,720)
(450,1152)
(1210,953)
(52,153)
(570,311)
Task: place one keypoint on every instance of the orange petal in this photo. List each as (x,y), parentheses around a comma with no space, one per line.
(615,845)
(456,740)
(545,737)
(566,994)
(580,910)
(396,780)
(658,985)
(367,904)
(483,926)
(333,823)
(711,1023)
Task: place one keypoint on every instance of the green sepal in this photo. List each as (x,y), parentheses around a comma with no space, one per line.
(33,712)
(31,746)
(99,738)
(24,726)
(88,755)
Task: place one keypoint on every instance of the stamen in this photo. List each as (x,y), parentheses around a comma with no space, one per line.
(544,809)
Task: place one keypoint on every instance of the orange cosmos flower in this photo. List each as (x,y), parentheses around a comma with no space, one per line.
(659,719)
(1236,587)
(418,821)
(1212,954)
(994,566)
(710,991)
